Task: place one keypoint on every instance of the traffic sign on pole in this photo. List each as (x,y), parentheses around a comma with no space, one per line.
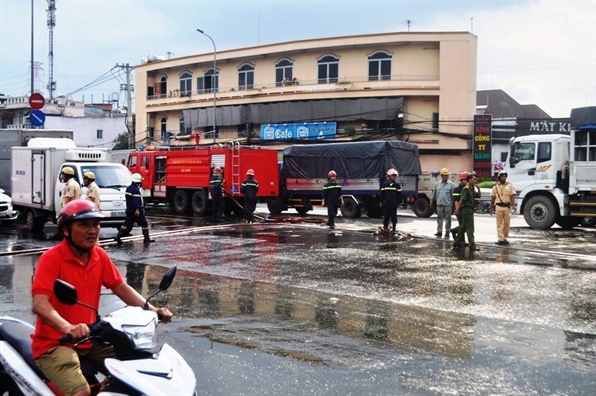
(37,118)
(37,101)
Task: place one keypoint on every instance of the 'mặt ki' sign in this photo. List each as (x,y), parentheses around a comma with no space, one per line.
(482,145)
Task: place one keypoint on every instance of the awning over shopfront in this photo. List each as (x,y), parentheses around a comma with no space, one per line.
(369,109)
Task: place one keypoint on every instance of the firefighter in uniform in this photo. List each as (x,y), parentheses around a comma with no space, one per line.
(463,180)
(390,200)
(135,210)
(250,188)
(332,198)
(217,199)
(93,193)
(465,205)
(72,189)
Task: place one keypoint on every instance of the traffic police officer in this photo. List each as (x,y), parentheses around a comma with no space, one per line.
(72,189)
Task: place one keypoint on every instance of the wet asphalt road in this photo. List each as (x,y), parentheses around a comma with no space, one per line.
(271,309)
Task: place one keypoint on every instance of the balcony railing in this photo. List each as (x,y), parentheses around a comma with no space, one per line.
(411,81)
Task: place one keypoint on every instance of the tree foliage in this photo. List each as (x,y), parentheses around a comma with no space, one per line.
(121,141)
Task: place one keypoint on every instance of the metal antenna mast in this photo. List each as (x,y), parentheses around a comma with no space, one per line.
(51,24)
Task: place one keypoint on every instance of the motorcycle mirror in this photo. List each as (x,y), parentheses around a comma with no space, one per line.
(66,293)
(167,279)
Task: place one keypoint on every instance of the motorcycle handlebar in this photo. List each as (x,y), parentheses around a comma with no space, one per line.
(65,338)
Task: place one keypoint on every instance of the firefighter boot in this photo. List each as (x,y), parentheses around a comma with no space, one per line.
(121,233)
(146,238)
(394,230)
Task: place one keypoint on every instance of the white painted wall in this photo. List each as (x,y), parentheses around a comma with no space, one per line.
(85,129)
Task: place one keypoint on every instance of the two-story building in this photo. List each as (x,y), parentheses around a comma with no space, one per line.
(414,86)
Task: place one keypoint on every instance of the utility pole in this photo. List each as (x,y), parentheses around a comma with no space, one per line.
(51,24)
(32,68)
(129,89)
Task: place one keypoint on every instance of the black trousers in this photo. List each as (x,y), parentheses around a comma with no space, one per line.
(217,204)
(331,214)
(249,209)
(389,213)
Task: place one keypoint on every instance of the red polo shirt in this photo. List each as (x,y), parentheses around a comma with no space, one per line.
(60,263)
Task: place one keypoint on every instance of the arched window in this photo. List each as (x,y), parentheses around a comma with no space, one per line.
(328,69)
(283,72)
(185,84)
(163,86)
(379,66)
(246,76)
(164,126)
(183,130)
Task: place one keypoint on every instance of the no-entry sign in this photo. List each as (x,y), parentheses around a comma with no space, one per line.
(37,101)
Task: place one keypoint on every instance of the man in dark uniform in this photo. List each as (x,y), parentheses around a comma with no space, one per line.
(135,210)
(390,200)
(216,189)
(332,198)
(250,188)
(465,205)
(463,180)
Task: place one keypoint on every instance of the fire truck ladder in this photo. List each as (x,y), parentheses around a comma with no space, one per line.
(236,168)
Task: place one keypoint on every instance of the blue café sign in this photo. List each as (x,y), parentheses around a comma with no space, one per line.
(305,130)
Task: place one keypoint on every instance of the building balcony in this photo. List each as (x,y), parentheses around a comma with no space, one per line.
(297,86)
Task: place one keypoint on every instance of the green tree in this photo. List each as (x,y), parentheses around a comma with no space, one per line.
(121,141)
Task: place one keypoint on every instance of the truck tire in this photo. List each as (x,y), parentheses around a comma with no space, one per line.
(568,222)
(198,202)
(302,211)
(180,202)
(540,212)
(275,205)
(34,224)
(588,222)
(350,209)
(421,207)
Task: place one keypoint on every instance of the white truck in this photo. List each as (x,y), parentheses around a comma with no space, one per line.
(555,175)
(37,186)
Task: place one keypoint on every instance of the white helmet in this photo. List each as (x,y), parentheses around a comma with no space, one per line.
(392,172)
(136,178)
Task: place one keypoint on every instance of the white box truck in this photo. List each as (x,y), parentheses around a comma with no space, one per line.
(555,175)
(37,186)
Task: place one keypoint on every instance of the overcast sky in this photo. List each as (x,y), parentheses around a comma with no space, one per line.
(540,52)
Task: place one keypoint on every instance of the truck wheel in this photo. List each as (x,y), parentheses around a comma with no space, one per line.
(275,205)
(349,209)
(588,222)
(34,224)
(180,202)
(301,211)
(568,223)
(540,212)
(421,208)
(199,203)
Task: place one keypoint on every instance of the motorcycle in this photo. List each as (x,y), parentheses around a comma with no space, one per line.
(138,368)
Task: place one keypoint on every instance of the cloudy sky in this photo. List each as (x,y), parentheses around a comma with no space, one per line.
(539,51)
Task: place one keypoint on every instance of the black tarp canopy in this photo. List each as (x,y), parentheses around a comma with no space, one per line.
(376,109)
(583,118)
(352,160)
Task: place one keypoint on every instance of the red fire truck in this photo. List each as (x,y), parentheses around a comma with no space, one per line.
(180,176)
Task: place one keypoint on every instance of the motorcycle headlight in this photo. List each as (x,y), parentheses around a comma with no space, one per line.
(144,337)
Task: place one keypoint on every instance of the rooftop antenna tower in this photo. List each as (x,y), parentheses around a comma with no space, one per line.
(51,24)
(409,22)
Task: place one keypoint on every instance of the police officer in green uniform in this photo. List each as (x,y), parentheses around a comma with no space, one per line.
(466,206)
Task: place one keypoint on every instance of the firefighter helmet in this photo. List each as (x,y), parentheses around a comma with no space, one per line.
(78,209)
(67,170)
(137,178)
(331,174)
(217,169)
(89,175)
(444,172)
(463,176)
(392,172)
(501,173)
(250,172)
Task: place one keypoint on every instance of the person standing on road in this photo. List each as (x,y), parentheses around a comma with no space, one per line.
(502,201)
(463,180)
(442,201)
(135,211)
(250,188)
(390,200)
(465,205)
(332,197)
(93,193)
(217,199)
(78,261)
(72,189)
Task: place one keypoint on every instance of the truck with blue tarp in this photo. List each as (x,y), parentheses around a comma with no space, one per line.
(360,167)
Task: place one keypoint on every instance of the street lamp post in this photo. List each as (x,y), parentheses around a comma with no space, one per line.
(213,83)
